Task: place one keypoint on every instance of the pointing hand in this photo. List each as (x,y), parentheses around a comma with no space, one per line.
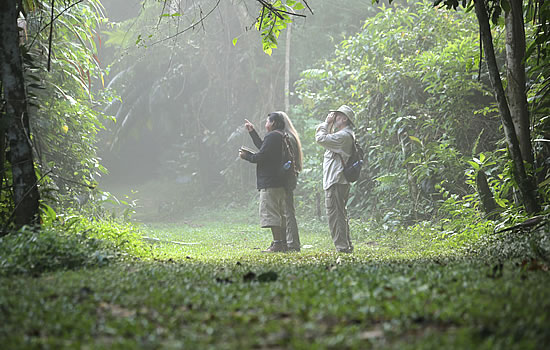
(248,125)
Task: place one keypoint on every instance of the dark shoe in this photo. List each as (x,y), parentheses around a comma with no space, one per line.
(347,251)
(276,247)
(293,249)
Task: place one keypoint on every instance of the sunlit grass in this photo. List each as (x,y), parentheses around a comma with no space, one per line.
(218,242)
(237,236)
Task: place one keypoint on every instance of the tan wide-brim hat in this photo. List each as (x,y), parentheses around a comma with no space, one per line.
(347,111)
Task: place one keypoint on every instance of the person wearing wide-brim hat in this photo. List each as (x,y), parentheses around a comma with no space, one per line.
(336,135)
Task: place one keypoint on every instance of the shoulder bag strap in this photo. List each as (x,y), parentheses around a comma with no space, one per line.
(284,145)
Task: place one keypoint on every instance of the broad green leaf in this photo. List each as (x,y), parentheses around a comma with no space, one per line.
(481,157)
(474,165)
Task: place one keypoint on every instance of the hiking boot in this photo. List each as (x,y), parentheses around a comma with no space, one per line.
(276,247)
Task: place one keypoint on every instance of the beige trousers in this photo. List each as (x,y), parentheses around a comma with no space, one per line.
(336,197)
(272,207)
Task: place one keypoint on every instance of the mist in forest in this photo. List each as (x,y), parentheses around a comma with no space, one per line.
(185,75)
(182,101)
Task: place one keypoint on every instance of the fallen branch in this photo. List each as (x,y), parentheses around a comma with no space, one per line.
(529,224)
(166,241)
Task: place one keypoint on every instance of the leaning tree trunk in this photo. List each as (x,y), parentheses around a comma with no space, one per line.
(525,182)
(515,72)
(26,195)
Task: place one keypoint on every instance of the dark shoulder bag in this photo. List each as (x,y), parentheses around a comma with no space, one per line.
(352,168)
(288,167)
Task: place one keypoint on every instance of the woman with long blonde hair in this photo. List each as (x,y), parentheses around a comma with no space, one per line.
(292,236)
(289,128)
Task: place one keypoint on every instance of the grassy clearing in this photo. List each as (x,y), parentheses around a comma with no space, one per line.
(403,290)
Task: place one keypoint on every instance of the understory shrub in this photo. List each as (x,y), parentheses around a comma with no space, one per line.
(520,245)
(70,242)
(37,251)
(124,237)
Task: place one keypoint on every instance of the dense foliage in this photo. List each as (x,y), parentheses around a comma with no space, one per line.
(425,109)
(67,96)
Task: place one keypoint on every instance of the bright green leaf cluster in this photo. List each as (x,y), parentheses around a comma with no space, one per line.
(273,19)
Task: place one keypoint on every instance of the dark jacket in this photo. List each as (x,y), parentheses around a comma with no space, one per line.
(268,159)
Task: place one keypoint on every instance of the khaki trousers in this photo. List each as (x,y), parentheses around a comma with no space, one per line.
(336,198)
(272,207)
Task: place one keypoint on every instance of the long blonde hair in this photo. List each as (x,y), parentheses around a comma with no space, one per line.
(289,128)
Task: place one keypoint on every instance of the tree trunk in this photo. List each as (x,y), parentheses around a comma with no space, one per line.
(2,162)
(525,182)
(486,196)
(287,67)
(403,136)
(515,72)
(2,141)
(26,197)
(2,150)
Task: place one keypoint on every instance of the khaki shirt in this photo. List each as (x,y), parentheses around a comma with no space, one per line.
(336,144)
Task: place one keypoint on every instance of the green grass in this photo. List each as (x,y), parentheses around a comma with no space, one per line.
(402,290)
